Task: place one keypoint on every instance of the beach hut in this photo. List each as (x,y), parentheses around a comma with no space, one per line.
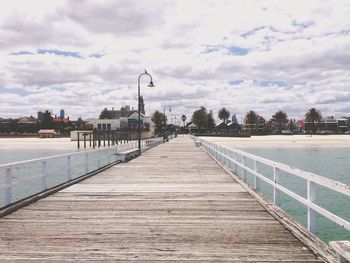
(46,133)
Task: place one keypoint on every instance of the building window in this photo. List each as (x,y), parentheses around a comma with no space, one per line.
(108,126)
(99,126)
(104,126)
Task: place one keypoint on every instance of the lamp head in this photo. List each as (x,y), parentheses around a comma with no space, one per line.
(151,85)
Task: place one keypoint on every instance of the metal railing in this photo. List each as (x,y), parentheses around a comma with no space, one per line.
(19,180)
(237,160)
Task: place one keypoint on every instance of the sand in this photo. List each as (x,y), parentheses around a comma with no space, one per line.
(37,143)
(254,141)
(284,141)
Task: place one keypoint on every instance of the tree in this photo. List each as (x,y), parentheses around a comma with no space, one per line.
(105,114)
(224,114)
(251,117)
(313,116)
(199,118)
(210,121)
(281,118)
(47,120)
(159,120)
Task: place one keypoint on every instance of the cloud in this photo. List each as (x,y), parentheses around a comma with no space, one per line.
(85,55)
(117,17)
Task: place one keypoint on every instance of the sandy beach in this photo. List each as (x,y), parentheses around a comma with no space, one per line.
(37,143)
(284,141)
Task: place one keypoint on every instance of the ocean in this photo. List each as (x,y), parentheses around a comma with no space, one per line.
(329,162)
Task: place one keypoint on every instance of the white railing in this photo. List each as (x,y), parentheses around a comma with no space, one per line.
(145,144)
(236,159)
(19,180)
(150,143)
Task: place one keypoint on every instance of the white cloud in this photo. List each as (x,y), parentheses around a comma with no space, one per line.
(298,55)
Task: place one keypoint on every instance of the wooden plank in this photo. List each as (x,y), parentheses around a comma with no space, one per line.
(172,204)
(342,248)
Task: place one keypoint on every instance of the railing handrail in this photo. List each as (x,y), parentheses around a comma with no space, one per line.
(315,178)
(55,156)
(86,166)
(6,165)
(311,180)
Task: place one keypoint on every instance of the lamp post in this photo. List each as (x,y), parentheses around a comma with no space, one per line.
(165,118)
(138,108)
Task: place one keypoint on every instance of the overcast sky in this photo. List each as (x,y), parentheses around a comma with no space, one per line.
(83,56)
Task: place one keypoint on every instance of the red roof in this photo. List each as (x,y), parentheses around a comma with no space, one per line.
(59,119)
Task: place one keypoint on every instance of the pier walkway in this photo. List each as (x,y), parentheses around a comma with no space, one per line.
(172,204)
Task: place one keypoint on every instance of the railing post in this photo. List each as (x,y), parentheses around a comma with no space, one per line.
(8,186)
(69,168)
(235,158)
(311,215)
(86,163)
(99,161)
(276,192)
(44,175)
(223,153)
(243,161)
(256,179)
(109,157)
(229,155)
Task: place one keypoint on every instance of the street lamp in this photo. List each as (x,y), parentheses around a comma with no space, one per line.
(165,118)
(139,110)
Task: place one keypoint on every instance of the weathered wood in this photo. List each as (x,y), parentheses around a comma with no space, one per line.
(172,204)
(342,248)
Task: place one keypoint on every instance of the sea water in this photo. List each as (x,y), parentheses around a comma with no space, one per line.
(27,176)
(329,162)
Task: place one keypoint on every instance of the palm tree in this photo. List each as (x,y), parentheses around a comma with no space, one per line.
(251,117)
(313,116)
(224,114)
(280,117)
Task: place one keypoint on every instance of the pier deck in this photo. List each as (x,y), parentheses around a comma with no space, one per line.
(172,204)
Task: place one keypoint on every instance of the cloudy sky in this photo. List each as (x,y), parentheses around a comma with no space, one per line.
(84,55)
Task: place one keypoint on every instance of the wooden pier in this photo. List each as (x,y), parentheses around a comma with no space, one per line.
(172,204)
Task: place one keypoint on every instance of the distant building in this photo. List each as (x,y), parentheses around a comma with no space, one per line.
(61,120)
(234,119)
(62,113)
(142,106)
(124,120)
(257,126)
(26,120)
(227,128)
(329,125)
(40,115)
(221,128)
(46,133)
(300,125)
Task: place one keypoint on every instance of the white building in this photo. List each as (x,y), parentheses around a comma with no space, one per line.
(124,120)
